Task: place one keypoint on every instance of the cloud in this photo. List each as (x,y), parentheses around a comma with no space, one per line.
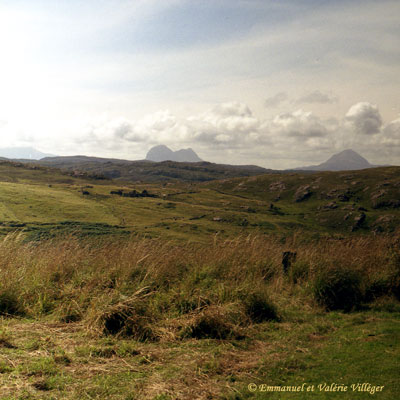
(317,97)
(13,134)
(391,135)
(158,126)
(104,132)
(364,118)
(226,122)
(229,132)
(228,125)
(276,100)
(299,124)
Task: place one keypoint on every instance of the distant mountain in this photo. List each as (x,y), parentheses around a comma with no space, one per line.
(164,153)
(345,160)
(26,153)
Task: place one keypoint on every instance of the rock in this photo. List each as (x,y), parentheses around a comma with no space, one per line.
(342,194)
(358,221)
(384,219)
(343,197)
(332,194)
(378,194)
(347,177)
(132,193)
(383,223)
(240,186)
(331,206)
(347,216)
(248,209)
(277,186)
(302,193)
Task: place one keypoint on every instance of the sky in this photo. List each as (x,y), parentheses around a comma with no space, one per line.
(279,84)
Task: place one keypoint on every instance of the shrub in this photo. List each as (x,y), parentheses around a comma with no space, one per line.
(338,288)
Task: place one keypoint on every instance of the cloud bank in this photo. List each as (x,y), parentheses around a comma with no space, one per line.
(230,132)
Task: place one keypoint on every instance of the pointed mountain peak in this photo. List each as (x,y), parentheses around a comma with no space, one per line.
(345,160)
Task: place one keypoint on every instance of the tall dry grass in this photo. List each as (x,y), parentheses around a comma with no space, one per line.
(137,287)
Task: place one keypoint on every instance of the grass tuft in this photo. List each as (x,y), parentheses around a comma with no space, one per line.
(338,288)
(127,318)
(260,308)
(10,304)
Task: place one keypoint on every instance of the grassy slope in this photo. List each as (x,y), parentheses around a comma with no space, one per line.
(42,198)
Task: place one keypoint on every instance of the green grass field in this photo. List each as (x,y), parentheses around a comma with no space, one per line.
(183,295)
(42,199)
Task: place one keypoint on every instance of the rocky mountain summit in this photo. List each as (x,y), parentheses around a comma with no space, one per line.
(164,153)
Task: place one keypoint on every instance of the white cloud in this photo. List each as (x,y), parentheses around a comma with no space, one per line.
(299,124)
(391,135)
(12,134)
(230,133)
(364,118)
(225,123)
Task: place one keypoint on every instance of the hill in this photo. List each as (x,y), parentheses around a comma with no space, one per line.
(346,160)
(163,153)
(330,201)
(40,199)
(149,171)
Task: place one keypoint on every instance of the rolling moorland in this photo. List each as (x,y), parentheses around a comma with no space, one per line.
(175,289)
(150,171)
